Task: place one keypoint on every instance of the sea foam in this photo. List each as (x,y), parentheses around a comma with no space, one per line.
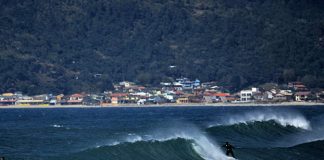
(200,142)
(57,126)
(286,118)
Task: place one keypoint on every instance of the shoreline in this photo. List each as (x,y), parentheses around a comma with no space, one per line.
(168,105)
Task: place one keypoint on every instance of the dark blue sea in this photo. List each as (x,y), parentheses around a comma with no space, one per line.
(163,133)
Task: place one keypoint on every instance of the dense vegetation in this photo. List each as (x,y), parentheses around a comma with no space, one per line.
(64,46)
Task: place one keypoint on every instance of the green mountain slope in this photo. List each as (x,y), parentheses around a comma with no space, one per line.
(85,45)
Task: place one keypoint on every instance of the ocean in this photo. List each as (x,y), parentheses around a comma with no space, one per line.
(163,133)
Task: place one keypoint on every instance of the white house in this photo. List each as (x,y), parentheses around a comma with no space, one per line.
(170,97)
(126,84)
(247,95)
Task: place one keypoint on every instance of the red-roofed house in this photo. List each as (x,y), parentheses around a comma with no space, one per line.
(7,100)
(298,86)
(301,96)
(75,99)
(210,97)
(117,98)
(222,94)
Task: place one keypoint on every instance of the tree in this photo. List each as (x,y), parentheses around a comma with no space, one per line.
(289,75)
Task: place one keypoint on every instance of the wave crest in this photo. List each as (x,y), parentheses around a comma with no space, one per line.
(282,118)
(199,142)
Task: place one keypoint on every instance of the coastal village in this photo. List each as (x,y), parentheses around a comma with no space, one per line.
(181,92)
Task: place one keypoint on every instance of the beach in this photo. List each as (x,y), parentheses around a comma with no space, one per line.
(168,105)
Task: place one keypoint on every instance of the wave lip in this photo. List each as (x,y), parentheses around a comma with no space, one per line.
(283,118)
(199,143)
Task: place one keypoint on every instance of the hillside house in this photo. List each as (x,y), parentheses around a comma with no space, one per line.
(183,99)
(301,96)
(210,97)
(297,86)
(222,96)
(8,99)
(186,83)
(279,97)
(247,95)
(320,96)
(119,98)
(196,99)
(91,101)
(268,95)
(74,99)
(169,96)
(28,102)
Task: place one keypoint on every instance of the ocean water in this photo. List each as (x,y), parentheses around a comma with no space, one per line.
(165,133)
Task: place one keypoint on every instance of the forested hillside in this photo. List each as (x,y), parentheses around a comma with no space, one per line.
(64,46)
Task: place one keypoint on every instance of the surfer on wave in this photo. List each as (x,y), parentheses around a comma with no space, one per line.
(229,149)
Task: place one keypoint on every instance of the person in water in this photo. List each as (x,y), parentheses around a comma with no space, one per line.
(229,149)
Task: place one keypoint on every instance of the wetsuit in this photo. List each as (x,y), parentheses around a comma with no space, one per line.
(229,149)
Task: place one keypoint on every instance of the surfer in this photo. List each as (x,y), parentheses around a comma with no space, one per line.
(229,149)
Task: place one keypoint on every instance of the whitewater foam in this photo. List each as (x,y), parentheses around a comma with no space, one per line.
(57,126)
(316,134)
(201,144)
(282,118)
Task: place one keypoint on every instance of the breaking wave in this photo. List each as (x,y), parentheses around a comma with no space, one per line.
(177,145)
(283,118)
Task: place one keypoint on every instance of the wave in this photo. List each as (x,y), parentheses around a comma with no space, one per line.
(265,128)
(310,151)
(316,134)
(257,134)
(57,126)
(171,145)
(170,149)
(181,148)
(283,118)
(201,144)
